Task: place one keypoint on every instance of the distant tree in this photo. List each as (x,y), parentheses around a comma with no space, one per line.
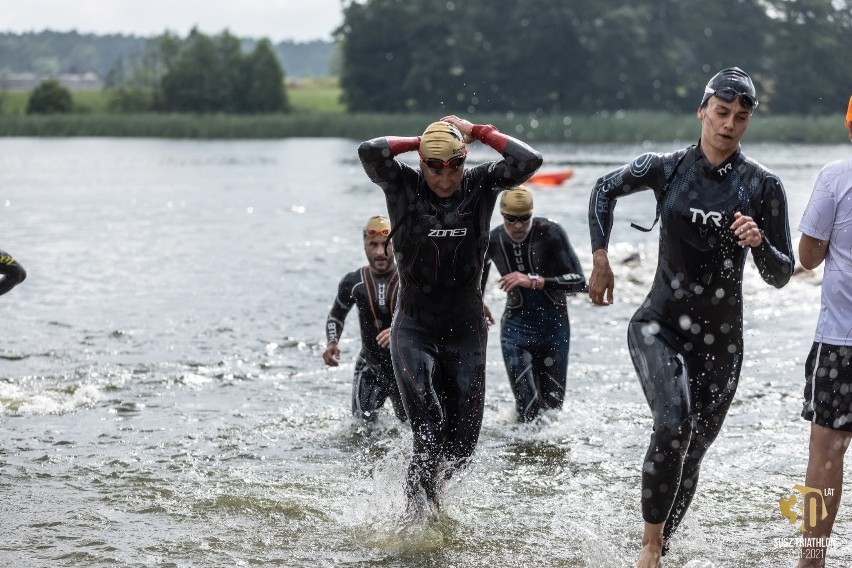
(264,81)
(50,98)
(190,84)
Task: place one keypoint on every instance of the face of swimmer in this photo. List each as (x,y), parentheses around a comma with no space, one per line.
(723,125)
(374,248)
(516,206)
(442,155)
(517,226)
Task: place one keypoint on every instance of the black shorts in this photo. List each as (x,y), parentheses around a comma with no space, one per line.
(828,387)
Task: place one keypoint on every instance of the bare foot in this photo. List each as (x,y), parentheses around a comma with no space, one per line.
(651,555)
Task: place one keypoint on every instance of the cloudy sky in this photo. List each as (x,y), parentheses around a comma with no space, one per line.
(298,20)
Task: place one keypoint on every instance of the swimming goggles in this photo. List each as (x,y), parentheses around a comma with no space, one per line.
(517,218)
(728,94)
(376,232)
(437,165)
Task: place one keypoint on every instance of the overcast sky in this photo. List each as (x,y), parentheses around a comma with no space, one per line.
(298,20)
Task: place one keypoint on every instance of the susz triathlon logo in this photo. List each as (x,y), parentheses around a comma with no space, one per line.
(807,506)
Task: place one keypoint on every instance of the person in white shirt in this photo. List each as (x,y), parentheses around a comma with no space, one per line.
(827,236)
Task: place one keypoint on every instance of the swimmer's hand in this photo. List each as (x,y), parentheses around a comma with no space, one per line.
(602,280)
(331,355)
(746,230)
(464,126)
(383,338)
(515,279)
(489,319)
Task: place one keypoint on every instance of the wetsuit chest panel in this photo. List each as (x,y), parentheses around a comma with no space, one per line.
(700,212)
(446,231)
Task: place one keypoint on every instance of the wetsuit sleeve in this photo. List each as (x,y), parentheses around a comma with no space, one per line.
(486,267)
(645,172)
(774,257)
(378,159)
(571,278)
(519,162)
(11,273)
(342,304)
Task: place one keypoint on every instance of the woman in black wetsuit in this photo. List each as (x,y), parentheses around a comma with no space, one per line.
(686,340)
(441,214)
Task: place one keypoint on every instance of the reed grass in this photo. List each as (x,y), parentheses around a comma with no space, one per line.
(622,127)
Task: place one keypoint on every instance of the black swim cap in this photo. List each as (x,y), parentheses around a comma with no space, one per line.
(731,82)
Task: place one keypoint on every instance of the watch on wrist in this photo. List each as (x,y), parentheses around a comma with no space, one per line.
(534,279)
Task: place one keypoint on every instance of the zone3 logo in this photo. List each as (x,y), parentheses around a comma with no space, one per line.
(713,216)
(447,232)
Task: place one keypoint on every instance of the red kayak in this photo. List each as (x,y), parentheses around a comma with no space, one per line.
(551,178)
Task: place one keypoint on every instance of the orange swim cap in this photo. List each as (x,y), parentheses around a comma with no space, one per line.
(849,112)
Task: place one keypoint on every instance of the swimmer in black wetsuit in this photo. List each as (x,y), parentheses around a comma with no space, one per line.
(539,268)
(373,288)
(686,340)
(11,273)
(441,214)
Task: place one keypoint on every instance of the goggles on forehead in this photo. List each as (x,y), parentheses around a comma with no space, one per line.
(436,165)
(517,218)
(368,233)
(728,94)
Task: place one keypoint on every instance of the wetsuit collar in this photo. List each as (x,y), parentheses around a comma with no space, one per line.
(721,171)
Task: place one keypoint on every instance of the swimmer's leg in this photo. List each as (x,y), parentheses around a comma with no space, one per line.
(419,381)
(465,398)
(711,401)
(519,368)
(367,392)
(550,365)
(664,378)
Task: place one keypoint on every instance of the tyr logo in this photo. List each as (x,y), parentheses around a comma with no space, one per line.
(728,167)
(713,216)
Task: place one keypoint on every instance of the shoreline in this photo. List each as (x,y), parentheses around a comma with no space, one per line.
(603,127)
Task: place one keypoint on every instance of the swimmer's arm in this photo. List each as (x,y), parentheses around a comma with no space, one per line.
(645,172)
(774,256)
(337,315)
(519,162)
(571,278)
(812,251)
(377,159)
(11,271)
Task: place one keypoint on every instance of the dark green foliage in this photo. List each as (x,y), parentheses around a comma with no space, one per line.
(50,98)
(548,56)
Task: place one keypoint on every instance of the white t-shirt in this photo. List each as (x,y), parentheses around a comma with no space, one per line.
(828,217)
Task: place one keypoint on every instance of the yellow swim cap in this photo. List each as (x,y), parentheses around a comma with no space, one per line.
(516,201)
(443,141)
(849,112)
(377,226)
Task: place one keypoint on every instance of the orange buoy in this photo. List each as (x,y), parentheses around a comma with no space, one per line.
(551,178)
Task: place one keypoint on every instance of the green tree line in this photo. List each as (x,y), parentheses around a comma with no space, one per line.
(550,56)
(51,53)
(203,74)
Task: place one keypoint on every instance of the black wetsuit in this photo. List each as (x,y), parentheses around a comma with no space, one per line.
(686,340)
(375,296)
(11,272)
(535,333)
(439,334)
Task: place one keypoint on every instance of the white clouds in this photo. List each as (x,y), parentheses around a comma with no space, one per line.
(275,19)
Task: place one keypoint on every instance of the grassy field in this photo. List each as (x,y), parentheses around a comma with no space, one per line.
(318,112)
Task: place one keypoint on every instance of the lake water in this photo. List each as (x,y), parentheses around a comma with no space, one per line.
(163,400)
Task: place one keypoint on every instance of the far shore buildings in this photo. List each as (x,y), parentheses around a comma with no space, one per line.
(29,81)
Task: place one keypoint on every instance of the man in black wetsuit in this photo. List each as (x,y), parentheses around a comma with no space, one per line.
(539,268)
(686,339)
(11,273)
(373,289)
(440,214)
